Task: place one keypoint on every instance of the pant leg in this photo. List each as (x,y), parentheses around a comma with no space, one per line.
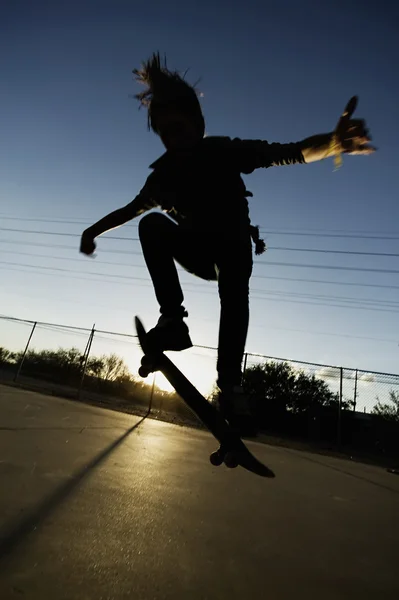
(163,242)
(234,262)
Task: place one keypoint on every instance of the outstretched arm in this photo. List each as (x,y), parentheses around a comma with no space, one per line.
(114,219)
(350,137)
(139,205)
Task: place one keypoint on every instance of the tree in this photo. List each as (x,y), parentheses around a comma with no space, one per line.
(270,384)
(109,368)
(310,393)
(6,356)
(389,411)
(62,365)
(278,388)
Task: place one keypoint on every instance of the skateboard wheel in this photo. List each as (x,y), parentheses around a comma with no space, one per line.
(230,460)
(144,371)
(149,365)
(216,458)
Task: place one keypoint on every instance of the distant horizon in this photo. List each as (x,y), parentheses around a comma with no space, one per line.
(247,352)
(197,363)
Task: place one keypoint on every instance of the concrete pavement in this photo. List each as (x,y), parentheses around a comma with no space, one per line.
(96,504)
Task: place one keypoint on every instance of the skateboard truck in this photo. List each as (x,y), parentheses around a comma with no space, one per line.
(150,364)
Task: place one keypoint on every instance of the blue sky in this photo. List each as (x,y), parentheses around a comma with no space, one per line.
(74,146)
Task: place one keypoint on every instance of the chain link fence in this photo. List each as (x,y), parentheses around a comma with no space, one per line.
(346,409)
(341,407)
(77,363)
(97,366)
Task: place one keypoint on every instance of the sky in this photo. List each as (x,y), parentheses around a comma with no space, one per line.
(74,146)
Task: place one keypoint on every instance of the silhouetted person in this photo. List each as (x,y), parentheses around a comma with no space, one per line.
(197,182)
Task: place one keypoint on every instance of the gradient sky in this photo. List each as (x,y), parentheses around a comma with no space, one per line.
(74,146)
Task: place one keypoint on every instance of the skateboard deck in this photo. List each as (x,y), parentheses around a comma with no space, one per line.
(232,450)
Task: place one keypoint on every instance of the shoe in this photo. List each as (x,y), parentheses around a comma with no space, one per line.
(234,404)
(170,333)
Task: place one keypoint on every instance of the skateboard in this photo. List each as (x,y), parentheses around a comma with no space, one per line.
(232,450)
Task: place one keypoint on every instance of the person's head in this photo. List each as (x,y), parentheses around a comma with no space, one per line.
(174,111)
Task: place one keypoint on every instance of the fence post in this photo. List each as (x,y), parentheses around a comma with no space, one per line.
(88,343)
(244,367)
(86,357)
(151,394)
(25,351)
(341,376)
(355,393)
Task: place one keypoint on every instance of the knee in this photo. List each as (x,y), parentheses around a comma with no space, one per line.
(153,224)
(234,294)
(234,285)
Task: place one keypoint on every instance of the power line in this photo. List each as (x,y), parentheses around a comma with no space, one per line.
(360,236)
(81,277)
(330,230)
(66,221)
(45,220)
(66,270)
(280,248)
(323,251)
(192,283)
(340,298)
(330,304)
(76,259)
(42,245)
(4,262)
(100,262)
(329,282)
(67,300)
(103,281)
(329,267)
(62,233)
(144,282)
(311,232)
(65,247)
(254,276)
(359,302)
(196,285)
(30,231)
(318,300)
(335,334)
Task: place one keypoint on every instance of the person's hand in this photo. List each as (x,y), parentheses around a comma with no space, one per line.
(87,244)
(351,135)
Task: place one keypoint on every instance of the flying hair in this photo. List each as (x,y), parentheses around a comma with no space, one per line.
(166,90)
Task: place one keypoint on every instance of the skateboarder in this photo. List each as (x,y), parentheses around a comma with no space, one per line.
(206,229)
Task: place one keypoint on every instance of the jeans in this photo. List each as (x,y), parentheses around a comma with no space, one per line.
(210,257)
